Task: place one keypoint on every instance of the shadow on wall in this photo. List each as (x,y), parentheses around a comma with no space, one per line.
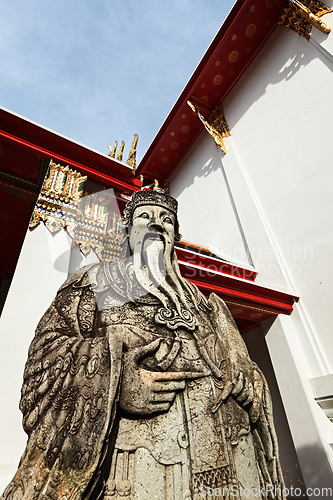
(210,166)
(303,54)
(204,161)
(256,344)
(204,149)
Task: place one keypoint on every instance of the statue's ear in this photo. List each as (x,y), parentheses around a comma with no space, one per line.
(178,237)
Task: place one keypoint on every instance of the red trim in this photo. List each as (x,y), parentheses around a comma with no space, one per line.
(131,185)
(206,287)
(210,280)
(212,263)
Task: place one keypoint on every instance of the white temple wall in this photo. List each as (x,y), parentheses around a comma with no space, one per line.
(278,160)
(205,203)
(44,264)
(276,176)
(281,134)
(41,269)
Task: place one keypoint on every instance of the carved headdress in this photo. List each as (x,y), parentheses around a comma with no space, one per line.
(157,197)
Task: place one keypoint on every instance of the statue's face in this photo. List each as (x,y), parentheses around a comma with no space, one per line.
(157,219)
(153,260)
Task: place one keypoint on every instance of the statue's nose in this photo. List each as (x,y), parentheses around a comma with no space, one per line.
(155,225)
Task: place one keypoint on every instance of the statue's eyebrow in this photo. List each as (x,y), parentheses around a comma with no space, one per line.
(166,212)
(146,210)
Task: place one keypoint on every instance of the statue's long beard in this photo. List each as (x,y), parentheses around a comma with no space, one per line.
(156,270)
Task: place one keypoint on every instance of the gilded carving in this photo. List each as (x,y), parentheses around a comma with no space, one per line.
(137,386)
(131,160)
(301,16)
(89,221)
(216,125)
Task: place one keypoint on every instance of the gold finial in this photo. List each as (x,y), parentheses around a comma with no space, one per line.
(112,153)
(121,149)
(141,180)
(192,106)
(155,184)
(166,187)
(131,160)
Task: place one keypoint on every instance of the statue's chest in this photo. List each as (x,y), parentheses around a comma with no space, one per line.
(190,424)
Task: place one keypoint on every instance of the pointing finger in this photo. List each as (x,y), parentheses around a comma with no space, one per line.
(168,376)
(168,386)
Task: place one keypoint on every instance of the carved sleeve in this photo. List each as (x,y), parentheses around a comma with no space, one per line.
(64,397)
(68,398)
(236,356)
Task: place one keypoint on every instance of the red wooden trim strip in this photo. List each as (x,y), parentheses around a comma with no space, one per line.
(82,168)
(211,263)
(234,283)
(286,308)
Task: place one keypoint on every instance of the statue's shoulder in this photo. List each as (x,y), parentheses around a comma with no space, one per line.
(82,277)
(219,306)
(99,277)
(217,303)
(214,303)
(199,297)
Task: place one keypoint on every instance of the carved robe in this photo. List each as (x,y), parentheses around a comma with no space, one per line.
(81,446)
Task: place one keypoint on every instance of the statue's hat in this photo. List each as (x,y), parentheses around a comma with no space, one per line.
(150,197)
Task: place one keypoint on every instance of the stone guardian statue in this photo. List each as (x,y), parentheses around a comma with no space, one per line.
(138,387)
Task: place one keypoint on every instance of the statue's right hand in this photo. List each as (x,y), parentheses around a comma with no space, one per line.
(145,392)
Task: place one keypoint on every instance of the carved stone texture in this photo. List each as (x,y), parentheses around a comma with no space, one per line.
(139,387)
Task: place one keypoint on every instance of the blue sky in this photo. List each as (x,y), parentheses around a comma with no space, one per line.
(101,70)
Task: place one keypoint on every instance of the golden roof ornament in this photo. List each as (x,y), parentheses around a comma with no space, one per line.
(112,153)
(57,201)
(217,127)
(91,221)
(121,149)
(131,160)
(301,16)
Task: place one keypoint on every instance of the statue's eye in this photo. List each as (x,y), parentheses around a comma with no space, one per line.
(144,215)
(168,220)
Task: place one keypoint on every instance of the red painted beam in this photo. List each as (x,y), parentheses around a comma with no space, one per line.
(212,280)
(132,185)
(211,263)
(208,287)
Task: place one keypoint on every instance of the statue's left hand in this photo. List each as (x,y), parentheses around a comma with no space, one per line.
(240,386)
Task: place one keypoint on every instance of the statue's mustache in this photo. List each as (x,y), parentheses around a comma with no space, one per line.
(149,237)
(154,235)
